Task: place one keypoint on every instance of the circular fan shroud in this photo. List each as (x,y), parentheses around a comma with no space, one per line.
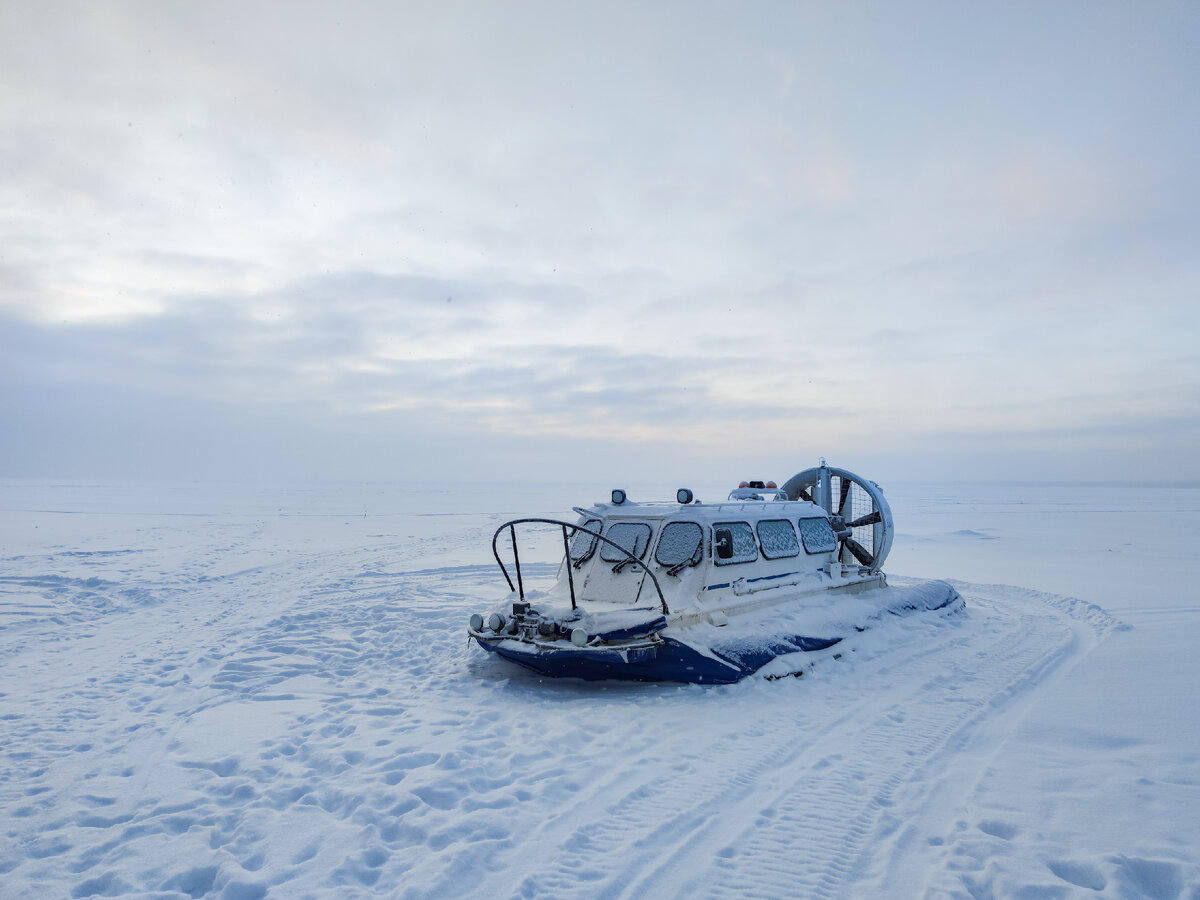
(861,503)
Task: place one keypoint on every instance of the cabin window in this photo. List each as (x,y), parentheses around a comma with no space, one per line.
(817,535)
(777,538)
(631,536)
(680,545)
(744,549)
(582,545)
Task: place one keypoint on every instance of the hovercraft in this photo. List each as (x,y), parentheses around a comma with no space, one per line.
(706,593)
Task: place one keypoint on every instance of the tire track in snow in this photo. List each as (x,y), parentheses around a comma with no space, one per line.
(798,807)
(815,840)
(656,824)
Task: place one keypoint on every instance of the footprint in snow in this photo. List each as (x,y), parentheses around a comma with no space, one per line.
(1002,830)
(1080,874)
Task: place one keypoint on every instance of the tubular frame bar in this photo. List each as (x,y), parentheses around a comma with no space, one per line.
(511,526)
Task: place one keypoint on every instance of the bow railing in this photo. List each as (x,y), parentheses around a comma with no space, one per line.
(574,529)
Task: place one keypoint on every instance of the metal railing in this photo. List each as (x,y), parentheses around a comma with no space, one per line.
(520,587)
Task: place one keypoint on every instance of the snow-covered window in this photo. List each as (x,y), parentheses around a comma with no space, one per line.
(817,535)
(679,544)
(744,549)
(631,536)
(584,545)
(778,538)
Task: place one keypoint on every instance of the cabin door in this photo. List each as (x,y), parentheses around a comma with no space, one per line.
(613,587)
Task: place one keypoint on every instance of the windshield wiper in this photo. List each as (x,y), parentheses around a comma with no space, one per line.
(679,567)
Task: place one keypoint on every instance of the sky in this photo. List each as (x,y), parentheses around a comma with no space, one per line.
(476,241)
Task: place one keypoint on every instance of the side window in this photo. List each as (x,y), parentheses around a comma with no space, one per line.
(744,549)
(582,545)
(680,545)
(777,538)
(817,535)
(631,536)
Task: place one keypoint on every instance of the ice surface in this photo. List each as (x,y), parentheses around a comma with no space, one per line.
(267,691)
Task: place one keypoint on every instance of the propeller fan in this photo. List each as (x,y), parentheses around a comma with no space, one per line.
(861,517)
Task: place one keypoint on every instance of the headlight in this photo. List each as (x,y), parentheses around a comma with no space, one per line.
(476,622)
(496,622)
(578,637)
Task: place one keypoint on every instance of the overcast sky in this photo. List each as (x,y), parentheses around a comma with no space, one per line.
(599,241)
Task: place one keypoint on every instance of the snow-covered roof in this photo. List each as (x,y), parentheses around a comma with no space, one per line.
(707,512)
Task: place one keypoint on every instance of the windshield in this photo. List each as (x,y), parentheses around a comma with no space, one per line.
(679,544)
(582,545)
(633,537)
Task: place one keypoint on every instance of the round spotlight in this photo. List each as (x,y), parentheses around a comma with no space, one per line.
(578,637)
(496,622)
(476,622)
(618,497)
(683,495)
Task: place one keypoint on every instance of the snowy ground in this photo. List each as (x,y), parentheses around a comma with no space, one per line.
(267,692)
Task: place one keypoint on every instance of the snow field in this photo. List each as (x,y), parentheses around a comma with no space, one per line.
(245,705)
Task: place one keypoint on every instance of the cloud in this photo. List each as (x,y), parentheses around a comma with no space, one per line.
(697,230)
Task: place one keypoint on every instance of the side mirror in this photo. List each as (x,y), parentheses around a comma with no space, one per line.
(723,542)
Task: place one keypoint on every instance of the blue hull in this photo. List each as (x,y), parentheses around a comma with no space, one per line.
(663,658)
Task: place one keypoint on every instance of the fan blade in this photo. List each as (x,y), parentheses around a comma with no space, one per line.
(805,495)
(845,494)
(859,552)
(869,519)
